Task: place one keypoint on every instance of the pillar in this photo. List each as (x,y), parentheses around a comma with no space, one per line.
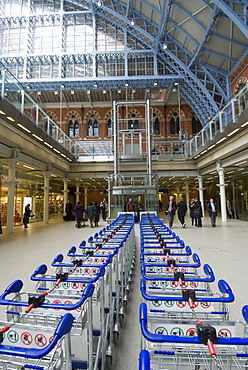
(187,192)
(200,190)
(85,196)
(46,189)
(77,192)
(65,191)
(11,195)
(222,186)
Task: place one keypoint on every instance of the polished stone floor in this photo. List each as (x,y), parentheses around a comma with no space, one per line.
(225,248)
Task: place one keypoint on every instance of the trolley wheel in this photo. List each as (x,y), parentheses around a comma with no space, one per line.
(108,361)
(121,318)
(116,336)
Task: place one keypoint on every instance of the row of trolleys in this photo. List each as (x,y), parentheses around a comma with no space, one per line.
(184,319)
(72,320)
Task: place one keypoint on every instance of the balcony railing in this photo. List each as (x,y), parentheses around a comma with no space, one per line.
(13,92)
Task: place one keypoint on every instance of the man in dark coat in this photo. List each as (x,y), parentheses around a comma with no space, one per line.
(212,208)
(182,209)
(68,211)
(197,212)
(170,210)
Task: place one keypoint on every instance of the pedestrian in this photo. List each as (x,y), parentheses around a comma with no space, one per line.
(130,205)
(68,211)
(97,212)
(170,210)
(182,209)
(191,207)
(79,211)
(213,208)
(90,210)
(103,207)
(140,208)
(160,205)
(197,212)
(26,216)
(229,208)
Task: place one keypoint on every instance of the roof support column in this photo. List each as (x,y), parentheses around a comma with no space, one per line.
(222,186)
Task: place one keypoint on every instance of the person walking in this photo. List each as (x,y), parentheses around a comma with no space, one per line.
(68,211)
(103,207)
(90,210)
(213,208)
(26,216)
(170,210)
(97,213)
(130,205)
(182,209)
(191,207)
(197,212)
(79,211)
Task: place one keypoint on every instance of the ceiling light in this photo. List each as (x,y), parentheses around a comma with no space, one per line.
(233,132)
(119,91)
(155,83)
(126,84)
(99,3)
(244,124)
(56,150)
(47,144)
(133,91)
(104,91)
(147,90)
(31,168)
(88,91)
(238,164)
(176,83)
(39,92)
(10,119)
(24,128)
(62,86)
(132,22)
(63,155)
(56,92)
(212,146)
(165,47)
(95,84)
(72,92)
(37,137)
(1,112)
(219,141)
(229,172)
(204,151)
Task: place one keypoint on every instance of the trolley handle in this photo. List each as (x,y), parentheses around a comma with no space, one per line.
(161,338)
(57,263)
(63,328)
(41,270)
(223,286)
(144,360)
(87,292)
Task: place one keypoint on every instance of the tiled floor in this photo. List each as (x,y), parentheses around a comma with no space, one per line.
(225,248)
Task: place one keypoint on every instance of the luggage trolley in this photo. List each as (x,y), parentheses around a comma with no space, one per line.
(21,346)
(46,309)
(72,285)
(195,348)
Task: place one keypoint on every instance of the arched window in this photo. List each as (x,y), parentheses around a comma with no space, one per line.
(156,125)
(73,126)
(133,124)
(109,131)
(93,126)
(174,124)
(196,125)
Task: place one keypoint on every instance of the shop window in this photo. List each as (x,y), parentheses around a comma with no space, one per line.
(93,126)
(174,124)
(73,127)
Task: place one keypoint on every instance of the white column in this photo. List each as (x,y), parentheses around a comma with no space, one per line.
(65,191)
(187,192)
(46,189)
(222,186)
(200,190)
(11,195)
(77,192)
(85,196)
(178,194)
